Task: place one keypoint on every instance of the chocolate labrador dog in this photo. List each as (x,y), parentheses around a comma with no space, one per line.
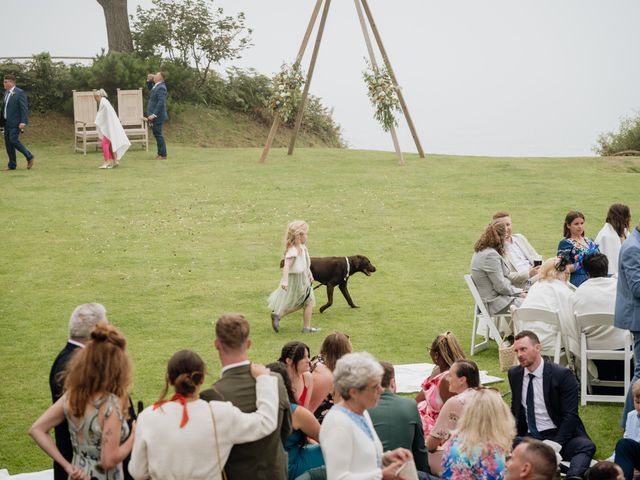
(332,271)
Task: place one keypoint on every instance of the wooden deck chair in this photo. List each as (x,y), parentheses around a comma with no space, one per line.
(482,321)
(84,118)
(586,354)
(131,115)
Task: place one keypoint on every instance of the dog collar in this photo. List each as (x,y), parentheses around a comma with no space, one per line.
(348,268)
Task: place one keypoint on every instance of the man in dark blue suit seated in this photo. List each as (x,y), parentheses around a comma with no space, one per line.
(15,111)
(544,403)
(157,110)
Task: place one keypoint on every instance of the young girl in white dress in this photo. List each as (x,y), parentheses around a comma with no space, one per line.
(295,291)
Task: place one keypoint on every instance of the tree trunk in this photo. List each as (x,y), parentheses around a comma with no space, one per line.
(117,20)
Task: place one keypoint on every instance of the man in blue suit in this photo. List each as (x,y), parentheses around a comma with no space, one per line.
(157,110)
(544,403)
(627,314)
(15,110)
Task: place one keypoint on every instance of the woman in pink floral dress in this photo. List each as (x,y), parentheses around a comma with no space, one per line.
(444,350)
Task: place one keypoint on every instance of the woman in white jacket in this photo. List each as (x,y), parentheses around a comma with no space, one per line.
(614,233)
(188,438)
(114,139)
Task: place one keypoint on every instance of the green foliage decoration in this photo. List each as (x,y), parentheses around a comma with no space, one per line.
(285,98)
(383,96)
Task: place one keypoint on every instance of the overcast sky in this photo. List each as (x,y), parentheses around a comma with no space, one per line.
(493,77)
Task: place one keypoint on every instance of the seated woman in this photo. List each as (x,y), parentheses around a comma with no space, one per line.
(615,231)
(464,378)
(444,351)
(95,406)
(295,355)
(350,444)
(551,292)
(574,246)
(302,455)
(334,346)
(484,437)
(188,438)
(490,273)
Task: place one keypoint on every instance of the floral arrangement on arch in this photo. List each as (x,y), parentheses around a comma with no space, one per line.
(383,96)
(287,86)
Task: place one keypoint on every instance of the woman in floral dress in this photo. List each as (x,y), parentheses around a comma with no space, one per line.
(574,246)
(479,449)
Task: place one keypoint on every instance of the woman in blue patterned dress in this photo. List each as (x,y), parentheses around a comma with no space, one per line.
(479,448)
(574,246)
(95,406)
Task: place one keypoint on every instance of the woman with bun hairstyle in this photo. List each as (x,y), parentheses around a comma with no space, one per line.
(189,438)
(95,406)
(113,138)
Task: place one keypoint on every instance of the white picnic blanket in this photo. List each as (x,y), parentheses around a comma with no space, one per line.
(409,377)
(43,475)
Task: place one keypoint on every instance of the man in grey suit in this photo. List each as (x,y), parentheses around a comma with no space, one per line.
(519,254)
(264,459)
(627,314)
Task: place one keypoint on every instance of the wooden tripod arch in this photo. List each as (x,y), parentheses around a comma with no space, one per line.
(364,16)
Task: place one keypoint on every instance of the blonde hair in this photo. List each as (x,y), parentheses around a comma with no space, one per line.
(448,347)
(294,230)
(100,93)
(487,422)
(548,270)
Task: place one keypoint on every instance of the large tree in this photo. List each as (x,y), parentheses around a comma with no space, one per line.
(190,32)
(117,19)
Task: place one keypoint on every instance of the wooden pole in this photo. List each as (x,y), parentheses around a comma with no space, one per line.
(303,46)
(312,64)
(374,64)
(387,63)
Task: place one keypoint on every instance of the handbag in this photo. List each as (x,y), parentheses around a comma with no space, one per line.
(507,356)
(223,474)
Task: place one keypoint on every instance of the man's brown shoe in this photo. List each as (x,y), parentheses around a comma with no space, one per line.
(159,157)
(30,162)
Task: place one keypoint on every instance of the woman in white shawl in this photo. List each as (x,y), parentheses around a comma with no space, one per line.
(552,292)
(614,233)
(114,140)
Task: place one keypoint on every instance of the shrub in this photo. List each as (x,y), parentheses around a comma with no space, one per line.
(628,138)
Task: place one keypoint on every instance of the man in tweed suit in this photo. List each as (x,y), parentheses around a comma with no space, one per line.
(264,459)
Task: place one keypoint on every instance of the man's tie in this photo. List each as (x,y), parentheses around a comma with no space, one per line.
(531,414)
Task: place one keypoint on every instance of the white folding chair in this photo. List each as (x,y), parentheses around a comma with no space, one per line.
(521,316)
(482,320)
(594,320)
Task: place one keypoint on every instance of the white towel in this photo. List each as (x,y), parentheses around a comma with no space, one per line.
(109,126)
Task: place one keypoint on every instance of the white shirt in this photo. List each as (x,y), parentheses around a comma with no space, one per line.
(234,365)
(164,451)
(598,295)
(609,243)
(543,420)
(348,452)
(7,95)
(520,260)
(302,261)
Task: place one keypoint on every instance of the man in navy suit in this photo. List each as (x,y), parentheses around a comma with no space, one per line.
(627,314)
(15,110)
(544,403)
(82,321)
(157,110)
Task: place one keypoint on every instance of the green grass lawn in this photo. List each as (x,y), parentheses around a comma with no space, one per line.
(167,246)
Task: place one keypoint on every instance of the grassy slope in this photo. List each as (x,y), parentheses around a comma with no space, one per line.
(168,246)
